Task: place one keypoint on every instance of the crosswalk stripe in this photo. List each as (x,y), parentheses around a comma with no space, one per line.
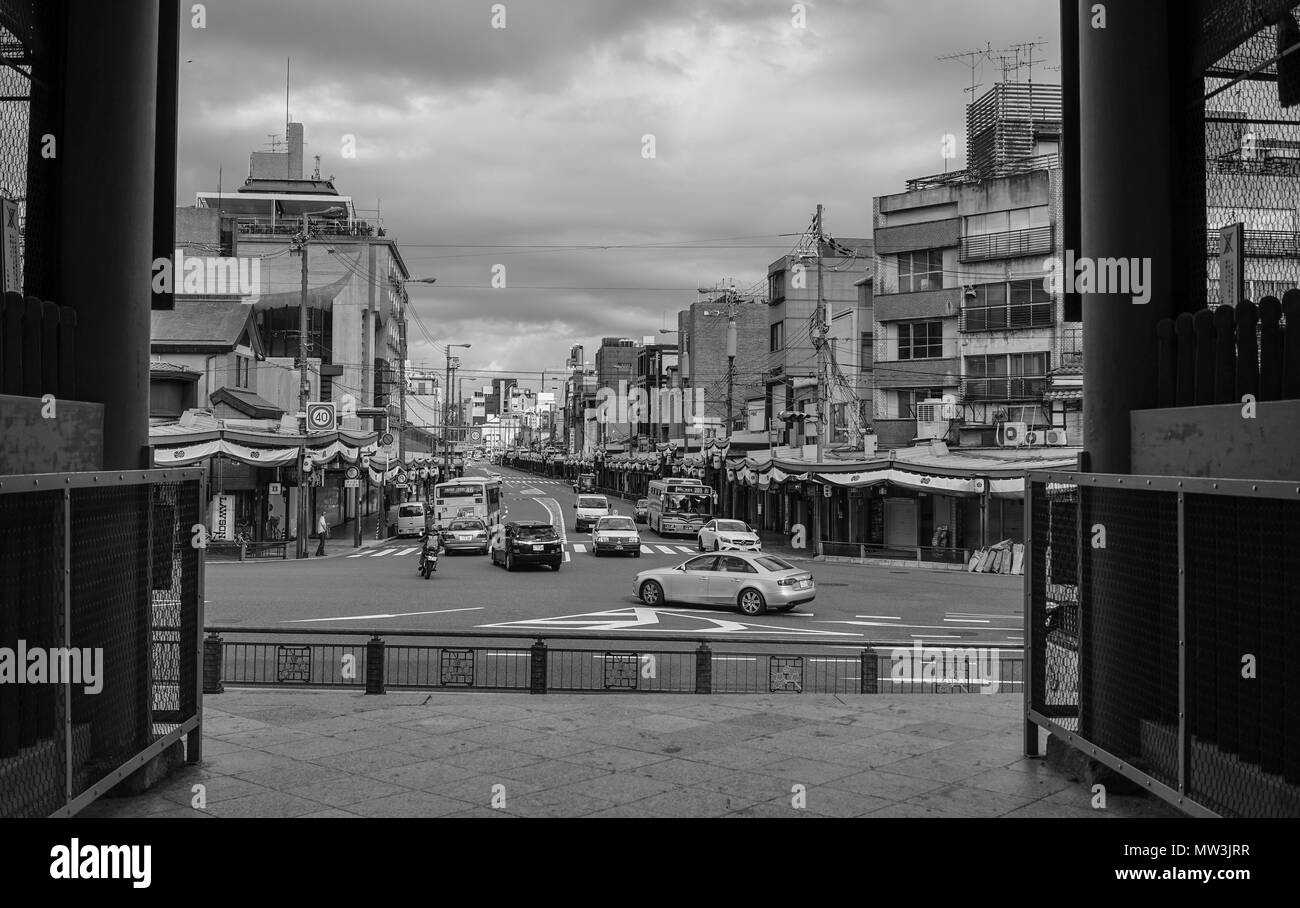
(406,551)
(566,557)
(646,550)
(579,547)
(381,553)
(665,550)
(685,550)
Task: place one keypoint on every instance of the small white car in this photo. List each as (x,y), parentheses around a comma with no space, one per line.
(588,509)
(728,535)
(616,534)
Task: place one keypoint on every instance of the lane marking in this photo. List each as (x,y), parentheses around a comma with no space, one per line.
(937,636)
(935,627)
(477,608)
(881,617)
(969,620)
(566,557)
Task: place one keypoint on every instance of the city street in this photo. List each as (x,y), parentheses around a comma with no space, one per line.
(378,587)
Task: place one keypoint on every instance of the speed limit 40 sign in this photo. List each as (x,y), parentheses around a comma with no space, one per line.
(321,417)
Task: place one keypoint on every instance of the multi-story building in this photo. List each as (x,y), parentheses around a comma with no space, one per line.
(964,312)
(702,331)
(579,404)
(356,296)
(793,365)
(659,406)
(615,369)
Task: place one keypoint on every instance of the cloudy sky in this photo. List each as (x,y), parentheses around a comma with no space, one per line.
(523,146)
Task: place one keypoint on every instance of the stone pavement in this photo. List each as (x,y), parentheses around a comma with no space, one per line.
(322,753)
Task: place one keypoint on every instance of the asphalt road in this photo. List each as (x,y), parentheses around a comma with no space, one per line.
(379,588)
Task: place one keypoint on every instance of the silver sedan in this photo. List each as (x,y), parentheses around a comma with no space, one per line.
(750,581)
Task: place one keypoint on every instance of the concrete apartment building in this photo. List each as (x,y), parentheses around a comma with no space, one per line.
(962,311)
(702,336)
(615,370)
(791,378)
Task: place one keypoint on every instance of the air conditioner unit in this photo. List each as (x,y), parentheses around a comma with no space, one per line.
(1012,434)
(932,419)
(1056,437)
(1033,437)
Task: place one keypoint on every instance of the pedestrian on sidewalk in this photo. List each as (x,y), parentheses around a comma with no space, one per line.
(322,530)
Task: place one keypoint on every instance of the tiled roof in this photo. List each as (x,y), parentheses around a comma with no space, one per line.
(200,323)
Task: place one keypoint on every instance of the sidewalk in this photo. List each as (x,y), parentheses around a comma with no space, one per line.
(306,753)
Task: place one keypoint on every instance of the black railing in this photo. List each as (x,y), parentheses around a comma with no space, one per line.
(597,661)
(1218,356)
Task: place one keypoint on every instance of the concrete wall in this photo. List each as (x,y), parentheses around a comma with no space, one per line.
(1217,441)
(34,439)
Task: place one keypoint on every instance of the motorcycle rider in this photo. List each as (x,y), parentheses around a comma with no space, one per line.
(430,543)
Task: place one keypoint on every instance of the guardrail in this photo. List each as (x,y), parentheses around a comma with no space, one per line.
(590,663)
(99,575)
(868,550)
(1161,630)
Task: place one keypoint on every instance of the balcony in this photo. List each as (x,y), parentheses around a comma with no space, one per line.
(999,389)
(1007,244)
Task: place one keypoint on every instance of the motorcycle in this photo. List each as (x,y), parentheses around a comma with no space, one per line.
(428,561)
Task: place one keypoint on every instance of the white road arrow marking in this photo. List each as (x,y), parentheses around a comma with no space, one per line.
(444,611)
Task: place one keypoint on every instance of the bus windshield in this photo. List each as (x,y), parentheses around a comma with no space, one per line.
(688,503)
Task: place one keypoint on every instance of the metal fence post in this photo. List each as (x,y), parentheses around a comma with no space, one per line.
(1184,727)
(213,655)
(703,669)
(375,665)
(537,668)
(1031,641)
(870,673)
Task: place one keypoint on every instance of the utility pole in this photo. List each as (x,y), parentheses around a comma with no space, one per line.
(303,389)
(823,327)
(446,421)
(731,379)
(401,388)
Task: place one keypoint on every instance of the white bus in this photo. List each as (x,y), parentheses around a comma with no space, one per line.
(469,497)
(679,505)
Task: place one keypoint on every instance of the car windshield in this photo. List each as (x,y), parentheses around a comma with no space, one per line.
(466,525)
(588,502)
(412,510)
(642,502)
(772,563)
(535,532)
(732,526)
(616,523)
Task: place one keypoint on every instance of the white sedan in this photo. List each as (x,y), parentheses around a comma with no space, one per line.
(728,535)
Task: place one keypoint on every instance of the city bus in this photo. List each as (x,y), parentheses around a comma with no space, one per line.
(469,497)
(679,505)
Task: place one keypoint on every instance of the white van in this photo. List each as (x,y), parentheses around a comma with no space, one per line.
(408,517)
(588,509)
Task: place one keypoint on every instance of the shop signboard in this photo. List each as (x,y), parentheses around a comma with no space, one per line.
(221,522)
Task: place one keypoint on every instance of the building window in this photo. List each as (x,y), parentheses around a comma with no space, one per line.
(1007,305)
(919,271)
(776,334)
(241,372)
(909,398)
(920,340)
(776,287)
(1007,376)
(867,357)
(1002,221)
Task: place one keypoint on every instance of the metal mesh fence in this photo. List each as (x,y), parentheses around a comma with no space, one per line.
(1139,580)
(99,629)
(31,90)
(1245,165)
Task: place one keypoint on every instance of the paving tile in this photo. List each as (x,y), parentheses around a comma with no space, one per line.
(222,788)
(739,756)
(691,802)
(551,773)
(184,813)
(447,722)
(492,759)
(683,771)
(884,784)
(664,722)
(971,802)
(620,787)
(364,761)
(410,804)
(616,758)
(1032,784)
(750,786)
(553,746)
(908,809)
(425,776)
(331,813)
(558,802)
(344,791)
(316,746)
(266,804)
(497,734)
(778,808)
(806,771)
(282,777)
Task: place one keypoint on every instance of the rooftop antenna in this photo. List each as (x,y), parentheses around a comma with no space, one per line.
(316,175)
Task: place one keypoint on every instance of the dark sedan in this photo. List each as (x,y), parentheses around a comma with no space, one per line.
(526,542)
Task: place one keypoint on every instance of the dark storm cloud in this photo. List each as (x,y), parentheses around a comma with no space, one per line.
(532,135)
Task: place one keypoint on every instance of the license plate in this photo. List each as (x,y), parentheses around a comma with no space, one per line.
(804,584)
(538,548)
